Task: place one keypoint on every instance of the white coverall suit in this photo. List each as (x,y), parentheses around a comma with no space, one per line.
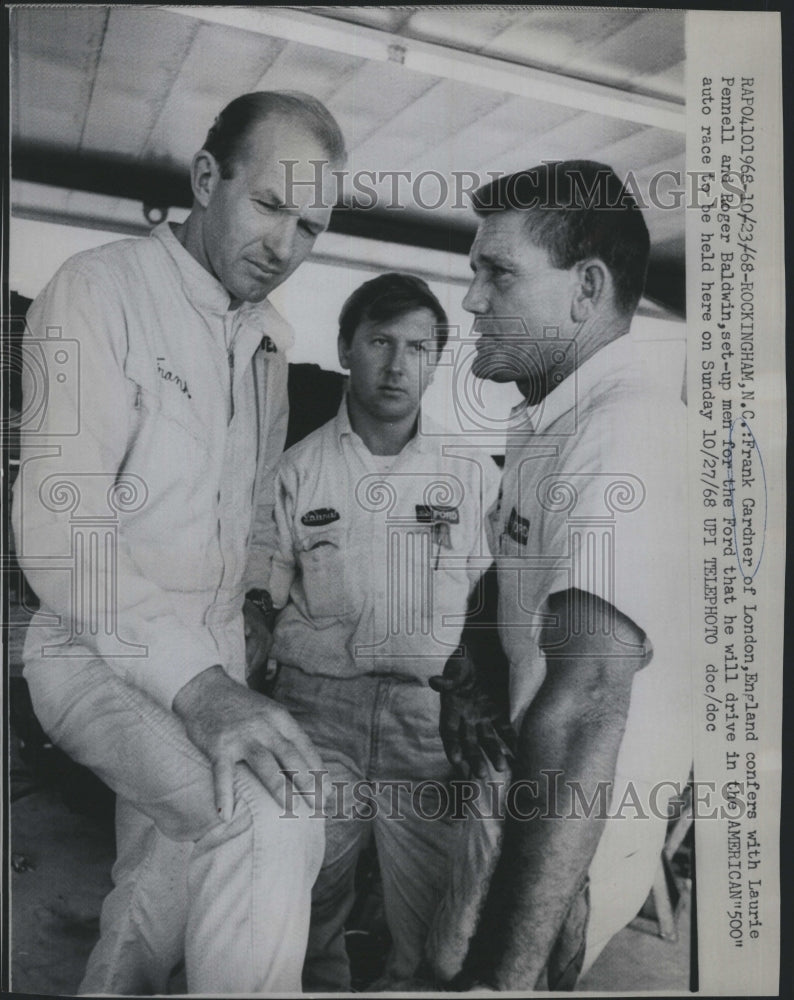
(135,524)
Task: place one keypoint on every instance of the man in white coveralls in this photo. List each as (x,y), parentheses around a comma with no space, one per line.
(136,661)
(590,541)
(380,541)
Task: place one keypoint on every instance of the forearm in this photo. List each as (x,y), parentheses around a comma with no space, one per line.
(127,620)
(545,857)
(568,748)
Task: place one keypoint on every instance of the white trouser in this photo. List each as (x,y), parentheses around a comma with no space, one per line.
(233,898)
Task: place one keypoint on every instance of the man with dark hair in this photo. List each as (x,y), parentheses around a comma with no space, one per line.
(136,661)
(576,209)
(590,542)
(387,297)
(380,540)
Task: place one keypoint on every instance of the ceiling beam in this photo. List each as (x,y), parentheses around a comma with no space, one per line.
(164,186)
(447,63)
(169,187)
(155,184)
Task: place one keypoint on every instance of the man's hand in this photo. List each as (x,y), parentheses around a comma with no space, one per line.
(471,724)
(231,724)
(258,640)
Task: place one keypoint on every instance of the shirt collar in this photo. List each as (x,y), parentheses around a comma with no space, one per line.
(615,358)
(342,428)
(201,287)
(208,293)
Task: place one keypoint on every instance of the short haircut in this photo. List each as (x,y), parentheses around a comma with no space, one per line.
(387,297)
(577,209)
(231,128)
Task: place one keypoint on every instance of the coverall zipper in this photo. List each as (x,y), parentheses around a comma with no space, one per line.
(230,357)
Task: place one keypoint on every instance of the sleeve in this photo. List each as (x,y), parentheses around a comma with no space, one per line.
(71,463)
(273,433)
(283,564)
(615,510)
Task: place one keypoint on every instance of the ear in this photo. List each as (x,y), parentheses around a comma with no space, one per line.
(204,176)
(344,353)
(593,286)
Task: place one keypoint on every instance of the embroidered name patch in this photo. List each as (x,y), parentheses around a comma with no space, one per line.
(427,514)
(518,527)
(319,517)
(168,376)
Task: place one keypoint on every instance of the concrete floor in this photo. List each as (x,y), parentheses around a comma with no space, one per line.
(636,962)
(55,903)
(61,860)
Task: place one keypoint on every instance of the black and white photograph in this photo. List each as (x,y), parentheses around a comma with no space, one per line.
(394,456)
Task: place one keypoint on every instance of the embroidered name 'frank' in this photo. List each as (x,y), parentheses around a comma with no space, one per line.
(169,376)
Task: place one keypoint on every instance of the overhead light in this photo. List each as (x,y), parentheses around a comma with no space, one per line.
(449,64)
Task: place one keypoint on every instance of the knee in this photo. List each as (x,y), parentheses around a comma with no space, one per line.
(296,829)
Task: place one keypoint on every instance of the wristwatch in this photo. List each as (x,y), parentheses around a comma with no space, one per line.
(262,600)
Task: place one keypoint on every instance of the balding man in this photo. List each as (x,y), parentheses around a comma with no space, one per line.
(139,671)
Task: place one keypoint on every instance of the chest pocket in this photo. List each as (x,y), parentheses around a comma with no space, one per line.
(328,577)
(165,395)
(173,454)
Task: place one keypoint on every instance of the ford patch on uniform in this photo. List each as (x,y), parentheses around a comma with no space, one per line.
(427,514)
(319,517)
